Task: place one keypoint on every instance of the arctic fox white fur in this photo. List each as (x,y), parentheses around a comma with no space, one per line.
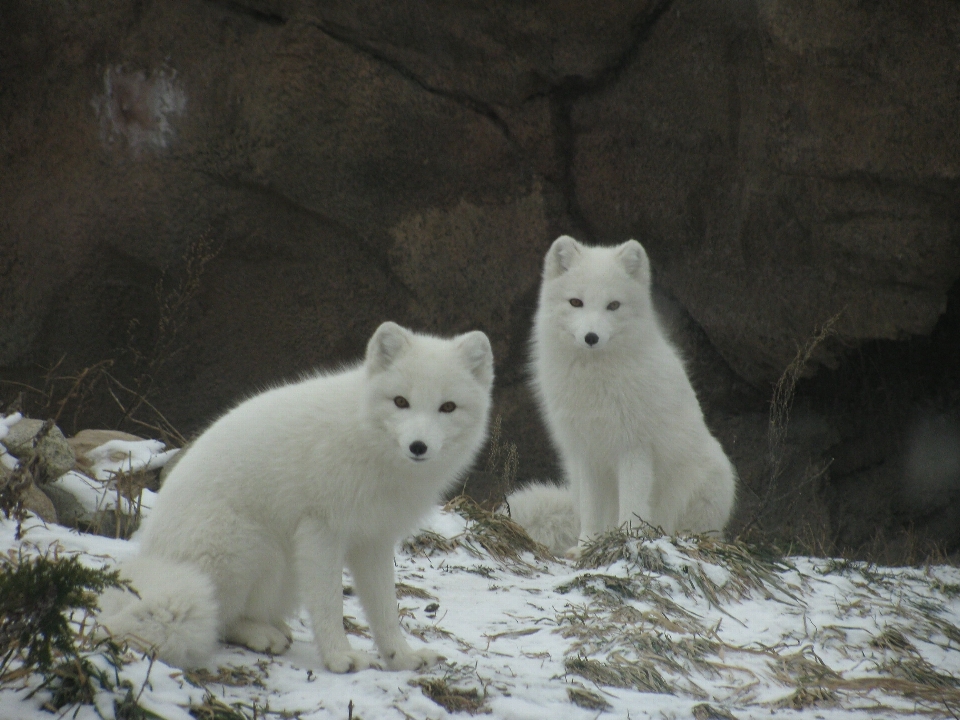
(619,407)
(277,496)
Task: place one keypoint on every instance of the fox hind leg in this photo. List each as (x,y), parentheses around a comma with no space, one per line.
(260,624)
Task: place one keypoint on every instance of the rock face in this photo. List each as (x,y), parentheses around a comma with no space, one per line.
(233,193)
(810,151)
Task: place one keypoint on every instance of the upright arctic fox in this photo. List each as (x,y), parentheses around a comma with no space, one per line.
(280,493)
(618,404)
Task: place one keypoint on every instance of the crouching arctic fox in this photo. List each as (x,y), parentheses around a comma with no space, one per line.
(279,494)
(619,407)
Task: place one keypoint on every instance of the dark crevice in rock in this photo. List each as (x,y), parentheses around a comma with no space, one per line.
(240,8)
(375,254)
(561,106)
(342,35)
(575,87)
(565,95)
(562,97)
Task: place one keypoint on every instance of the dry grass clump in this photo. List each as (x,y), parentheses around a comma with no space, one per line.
(804,697)
(704,711)
(352,627)
(908,676)
(898,667)
(703,565)
(642,624)
(892,638)
(612,590)
(496,535)
(950,590)
(427,543)
(917,670)
(230,675)
(404,590)
(450,698)
(488,533)
(213,708)
(503,461)
(586,699)
(634,620)
(804,668)
(773,497)
(619,672)
(638,640)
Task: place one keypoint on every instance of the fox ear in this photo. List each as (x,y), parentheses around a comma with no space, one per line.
(388,343)
(478,356)
(561,256)
(635,261)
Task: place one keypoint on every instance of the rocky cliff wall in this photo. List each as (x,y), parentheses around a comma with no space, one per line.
(786,164)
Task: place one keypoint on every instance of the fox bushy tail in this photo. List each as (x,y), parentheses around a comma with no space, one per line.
(173,613)
(548,514)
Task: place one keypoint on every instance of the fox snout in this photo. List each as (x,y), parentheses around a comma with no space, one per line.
(590,330)
(418,448)
(592,338)
(420,441)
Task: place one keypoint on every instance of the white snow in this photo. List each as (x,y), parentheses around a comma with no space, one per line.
(116,456)
(95,496)
(507,632)
(7,422)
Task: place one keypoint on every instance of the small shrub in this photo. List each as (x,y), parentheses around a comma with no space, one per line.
(37,597)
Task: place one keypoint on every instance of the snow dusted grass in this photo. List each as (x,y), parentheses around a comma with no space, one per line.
(643,626)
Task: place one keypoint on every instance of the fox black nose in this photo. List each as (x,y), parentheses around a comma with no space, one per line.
(591,338)
(418,447)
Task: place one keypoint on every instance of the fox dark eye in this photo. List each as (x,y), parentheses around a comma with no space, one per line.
(576,302)
(401,402)
(614,305)
(448,407)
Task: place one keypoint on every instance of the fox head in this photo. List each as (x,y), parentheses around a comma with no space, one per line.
(590,296)
(430,395)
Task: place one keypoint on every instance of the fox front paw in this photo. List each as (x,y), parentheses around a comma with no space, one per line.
(413,659)
(348,661)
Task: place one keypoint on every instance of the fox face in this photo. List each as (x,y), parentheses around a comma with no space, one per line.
(591,295)
(431,396)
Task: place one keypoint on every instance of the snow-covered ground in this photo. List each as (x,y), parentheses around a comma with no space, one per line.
(714,628)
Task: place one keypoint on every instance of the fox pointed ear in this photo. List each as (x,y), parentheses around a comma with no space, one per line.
(635,261)
(388,343)
(561,256)
(477,355)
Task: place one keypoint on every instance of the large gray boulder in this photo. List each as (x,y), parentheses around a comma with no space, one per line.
(55,456)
